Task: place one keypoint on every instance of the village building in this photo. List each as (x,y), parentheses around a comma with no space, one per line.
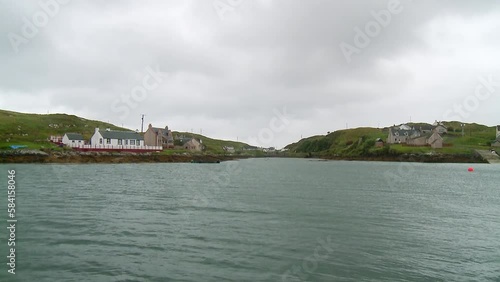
(439,127)
(379,143)
(496,143)
(58,139)
(401,136)
(193,145)
(155,136)
(228,149)
(111,138)
(435,140)
(73,140)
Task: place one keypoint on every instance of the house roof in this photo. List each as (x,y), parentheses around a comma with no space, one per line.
(426,127)
(157,129)
(74,136)
(121,135)
(402,132)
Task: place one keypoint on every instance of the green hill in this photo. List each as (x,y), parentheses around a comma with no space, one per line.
(214,145)
(361,141)
(34,130)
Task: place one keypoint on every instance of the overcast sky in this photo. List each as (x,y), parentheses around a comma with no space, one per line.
(239,68)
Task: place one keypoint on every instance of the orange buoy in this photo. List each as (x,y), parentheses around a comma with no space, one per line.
(471,169)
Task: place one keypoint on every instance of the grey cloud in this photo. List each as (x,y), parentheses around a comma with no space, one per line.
(227,76)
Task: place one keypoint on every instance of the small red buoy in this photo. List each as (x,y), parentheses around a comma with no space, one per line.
(471,169)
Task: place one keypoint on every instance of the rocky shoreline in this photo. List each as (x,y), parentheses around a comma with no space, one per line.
(423,158)
(35,156)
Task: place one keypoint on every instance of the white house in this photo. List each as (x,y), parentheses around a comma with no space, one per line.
(110,138)
(73,140)
(404,127)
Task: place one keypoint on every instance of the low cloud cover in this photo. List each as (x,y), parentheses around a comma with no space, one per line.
(225,67)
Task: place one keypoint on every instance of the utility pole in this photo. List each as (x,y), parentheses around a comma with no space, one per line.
(142,123)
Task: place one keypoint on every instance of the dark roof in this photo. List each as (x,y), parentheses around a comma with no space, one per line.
(74,136)
(402,132)
(164,131)
(121,135)
(426,127)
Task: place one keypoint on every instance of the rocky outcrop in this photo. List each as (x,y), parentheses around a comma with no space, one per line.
(34,156)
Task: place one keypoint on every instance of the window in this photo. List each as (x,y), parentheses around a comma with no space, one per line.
(126,142)
(73,141)
(108,141)
(120,141)
(100,140)
(138,142)
(132,142)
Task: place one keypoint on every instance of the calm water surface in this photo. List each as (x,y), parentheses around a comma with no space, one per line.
(255,220)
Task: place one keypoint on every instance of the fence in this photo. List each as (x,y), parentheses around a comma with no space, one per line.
(117,148)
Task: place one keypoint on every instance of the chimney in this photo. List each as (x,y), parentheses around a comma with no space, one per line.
(97,129)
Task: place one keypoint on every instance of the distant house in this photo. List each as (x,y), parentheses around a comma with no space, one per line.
(425,129)
(73,140)
(441,129)
(496,143)
(398,136)
(435,140)
(56,139)
(228,149)
(155,136)
(379,143)
(418,141)
(193,145)
(404,127)
(110,138)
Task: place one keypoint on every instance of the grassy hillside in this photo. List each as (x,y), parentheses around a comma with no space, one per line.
(361,141)
(33,130)
(214,145)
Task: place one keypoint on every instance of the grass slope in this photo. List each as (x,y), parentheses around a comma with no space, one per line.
(360,141)
(214,145)
(33,130)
